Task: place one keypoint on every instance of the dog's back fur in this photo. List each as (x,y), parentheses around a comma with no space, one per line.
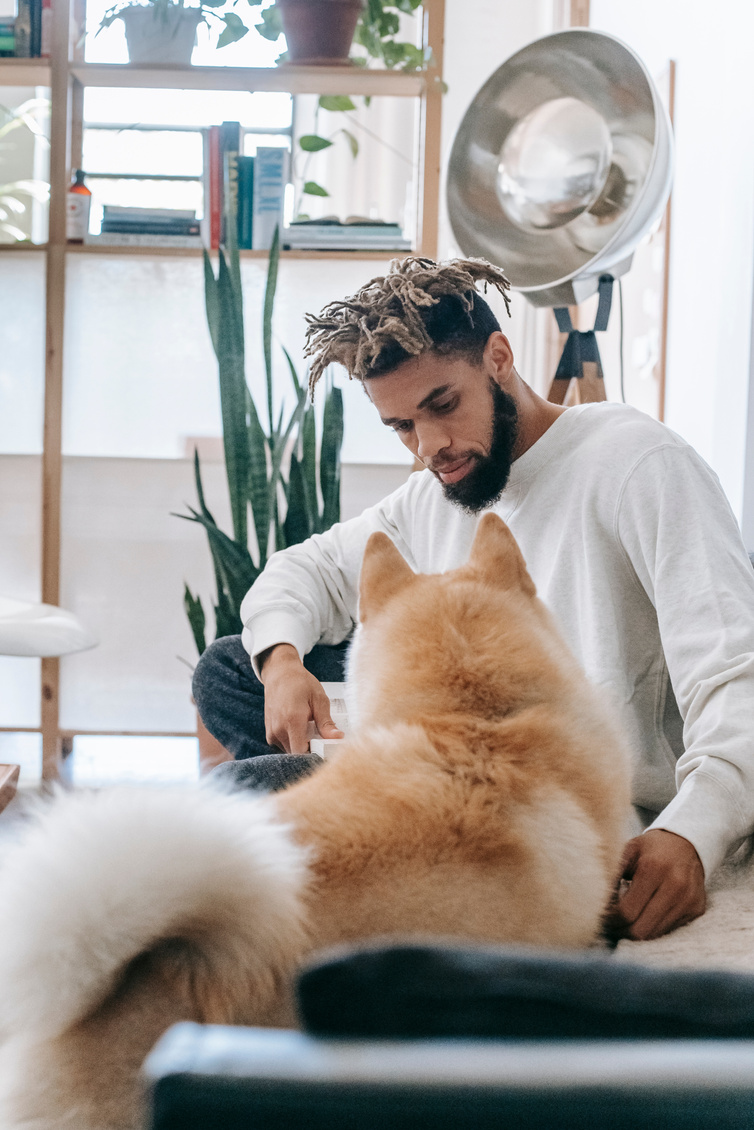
(483,796)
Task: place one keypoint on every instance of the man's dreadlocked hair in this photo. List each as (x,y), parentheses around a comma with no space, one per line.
(418,305)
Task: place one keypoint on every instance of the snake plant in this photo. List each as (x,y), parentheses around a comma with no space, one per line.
(283,480)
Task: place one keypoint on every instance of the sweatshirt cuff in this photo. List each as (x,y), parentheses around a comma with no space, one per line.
(706,815)
(267,629)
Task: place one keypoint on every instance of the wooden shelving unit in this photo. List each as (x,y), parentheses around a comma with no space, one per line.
(66,75)
(24,72)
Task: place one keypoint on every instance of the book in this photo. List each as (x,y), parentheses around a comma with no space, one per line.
(245,201)
(212,201)
(36,28)
(158,221)
(124,211)
(7,39)
(310,235)
(46,43)
(229,149)
(187,227)
(270,179)
(22,30)
(142,239)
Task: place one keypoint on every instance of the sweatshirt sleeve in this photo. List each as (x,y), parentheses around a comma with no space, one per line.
(308,593)
(682,540)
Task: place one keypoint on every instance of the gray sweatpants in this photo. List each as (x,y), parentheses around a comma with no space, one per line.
(230,701)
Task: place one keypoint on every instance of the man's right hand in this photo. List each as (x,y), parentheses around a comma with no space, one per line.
(292,699)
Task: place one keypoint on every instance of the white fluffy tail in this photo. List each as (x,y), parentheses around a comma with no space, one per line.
(99,878)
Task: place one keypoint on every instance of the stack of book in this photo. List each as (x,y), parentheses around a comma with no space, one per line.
(28,35)
(148,227)
(354,234)
(251,188)
(7,37)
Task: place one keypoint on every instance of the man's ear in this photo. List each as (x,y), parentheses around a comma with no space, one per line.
(498,358)
(384,572)
(496,556)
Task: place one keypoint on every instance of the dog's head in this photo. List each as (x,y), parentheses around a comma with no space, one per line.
(474,640)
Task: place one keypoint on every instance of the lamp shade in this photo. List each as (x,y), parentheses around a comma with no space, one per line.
(40,629)
(562,163)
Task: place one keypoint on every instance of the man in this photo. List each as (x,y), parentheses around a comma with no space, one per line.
(625,532)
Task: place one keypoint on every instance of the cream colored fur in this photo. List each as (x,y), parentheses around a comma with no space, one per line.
(483,796)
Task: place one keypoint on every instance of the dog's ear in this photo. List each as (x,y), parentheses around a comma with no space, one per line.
(384,572)
(495,554)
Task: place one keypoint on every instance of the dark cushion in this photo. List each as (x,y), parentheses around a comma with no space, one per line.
(415,991)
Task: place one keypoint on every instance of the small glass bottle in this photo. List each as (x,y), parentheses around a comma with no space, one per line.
(78,203)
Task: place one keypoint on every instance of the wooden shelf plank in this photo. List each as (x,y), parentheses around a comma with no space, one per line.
(94,249)
(286,79)
(23,245)
(24,72)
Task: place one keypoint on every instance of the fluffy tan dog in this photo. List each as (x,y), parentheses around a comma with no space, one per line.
(483,796)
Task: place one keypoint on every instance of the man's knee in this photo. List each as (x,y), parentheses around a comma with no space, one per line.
(224,663)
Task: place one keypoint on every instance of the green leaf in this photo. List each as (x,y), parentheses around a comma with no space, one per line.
(329,457)
(269,302)
(196,618)
(230,359)
(312,143)
(309,465)
(233,562)
(211,302)
(235,29)
(271,26)
(311,188)
(213,3)
(259,485)
(389,23)
(277,459)
(292,368)
(297,527)
(352,141)
(335,102)
(203,507)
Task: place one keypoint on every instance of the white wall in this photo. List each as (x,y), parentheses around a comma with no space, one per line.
(713,221)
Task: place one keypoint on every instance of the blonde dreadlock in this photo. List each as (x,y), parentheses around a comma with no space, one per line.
(387,312)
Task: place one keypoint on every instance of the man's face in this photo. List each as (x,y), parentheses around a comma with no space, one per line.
(455,418)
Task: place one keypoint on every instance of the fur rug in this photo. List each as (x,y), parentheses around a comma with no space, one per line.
(723,938)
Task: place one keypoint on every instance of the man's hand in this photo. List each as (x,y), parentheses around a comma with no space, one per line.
(292,699)
(666,888)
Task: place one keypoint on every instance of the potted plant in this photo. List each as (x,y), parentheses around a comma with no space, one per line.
(164,31)
(322,31)
(285,477)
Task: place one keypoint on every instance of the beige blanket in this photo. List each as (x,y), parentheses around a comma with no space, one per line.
(723,938)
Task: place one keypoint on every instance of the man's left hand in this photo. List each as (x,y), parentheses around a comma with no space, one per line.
(666,886)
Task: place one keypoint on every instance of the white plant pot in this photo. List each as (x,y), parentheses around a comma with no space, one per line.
(165,37)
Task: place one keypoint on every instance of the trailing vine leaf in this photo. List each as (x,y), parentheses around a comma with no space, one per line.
(336,102)
(235,29)
(352,141)
(311,188)
(271,26)
(311,143)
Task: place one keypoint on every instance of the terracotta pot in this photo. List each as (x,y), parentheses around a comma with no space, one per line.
(160,37)
(319,31)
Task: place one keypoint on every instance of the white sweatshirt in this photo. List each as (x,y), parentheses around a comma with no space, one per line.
(632,545)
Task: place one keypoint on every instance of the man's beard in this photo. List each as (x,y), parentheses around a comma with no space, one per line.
(486,480)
